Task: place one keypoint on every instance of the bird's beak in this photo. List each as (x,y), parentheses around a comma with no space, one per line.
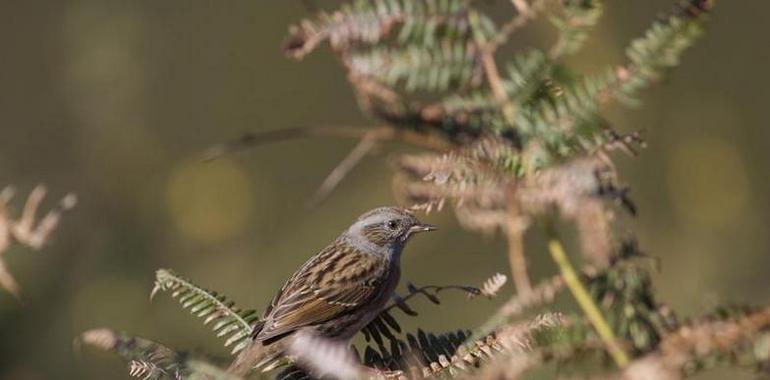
(421,227)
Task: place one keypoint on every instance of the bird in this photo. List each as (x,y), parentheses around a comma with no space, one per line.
(336,292)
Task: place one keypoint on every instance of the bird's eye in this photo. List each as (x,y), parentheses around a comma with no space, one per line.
(392,224)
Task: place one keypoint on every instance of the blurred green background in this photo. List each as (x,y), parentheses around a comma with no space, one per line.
(116,100)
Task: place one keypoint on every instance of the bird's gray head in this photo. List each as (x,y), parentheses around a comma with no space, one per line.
(385,229)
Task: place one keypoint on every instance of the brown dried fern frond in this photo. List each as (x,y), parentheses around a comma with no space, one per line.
(27,229)
(469,177)
(689,349)
(487,194)
(493,284)
(426,355)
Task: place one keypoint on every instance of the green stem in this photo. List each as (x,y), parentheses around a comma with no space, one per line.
(586,302)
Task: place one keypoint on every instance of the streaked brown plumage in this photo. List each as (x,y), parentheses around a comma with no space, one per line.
(339,290)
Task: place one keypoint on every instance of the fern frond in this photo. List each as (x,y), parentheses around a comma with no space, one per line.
(147,359)
(427,355)
(660,48)
(493,284)
(738,341)
(662,45)
(440,67)
(528,82)
(227,320)
(577,20)
(569,122)
(626,295)
(407,22)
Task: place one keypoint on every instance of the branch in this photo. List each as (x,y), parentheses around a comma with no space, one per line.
(367,143)
(400,302)
(516,23)
(249,140)
(491,73)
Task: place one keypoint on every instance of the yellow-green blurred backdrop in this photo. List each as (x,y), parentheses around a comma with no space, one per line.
(115,100)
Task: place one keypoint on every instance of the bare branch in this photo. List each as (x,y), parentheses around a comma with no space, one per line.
(249,140)
(516,23)
(367,143)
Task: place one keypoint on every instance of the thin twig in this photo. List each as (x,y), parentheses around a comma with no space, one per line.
(585,301)
(367,143)
(398,300)
(248,140)
(516,23)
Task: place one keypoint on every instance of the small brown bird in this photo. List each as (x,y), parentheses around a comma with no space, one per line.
(339,290)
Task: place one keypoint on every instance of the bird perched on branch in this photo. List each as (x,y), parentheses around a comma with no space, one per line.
(336,292)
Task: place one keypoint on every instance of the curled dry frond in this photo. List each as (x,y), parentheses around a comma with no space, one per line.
(493,284)
(226,319)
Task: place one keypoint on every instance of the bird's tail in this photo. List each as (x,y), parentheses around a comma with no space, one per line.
(256,356)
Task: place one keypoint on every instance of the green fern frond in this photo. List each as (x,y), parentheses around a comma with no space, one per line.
(477,110)
(662,46)
(146,359)
(626,295)
(226,319)
(447,65)
(526,73)
(577,19)
(406,22)
(570,123)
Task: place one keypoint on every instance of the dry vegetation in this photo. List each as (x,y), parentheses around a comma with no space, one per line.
(26,230)
(509,144)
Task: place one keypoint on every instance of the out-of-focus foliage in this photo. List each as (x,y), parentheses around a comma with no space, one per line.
(26,230)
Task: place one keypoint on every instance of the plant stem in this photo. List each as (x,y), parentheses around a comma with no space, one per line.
(515,226)
(586,302)
(486,55)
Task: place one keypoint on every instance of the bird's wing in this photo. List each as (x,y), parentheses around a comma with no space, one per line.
(330,285)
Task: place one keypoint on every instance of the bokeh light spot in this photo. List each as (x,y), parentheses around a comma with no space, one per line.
(707,181)
(210,201)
